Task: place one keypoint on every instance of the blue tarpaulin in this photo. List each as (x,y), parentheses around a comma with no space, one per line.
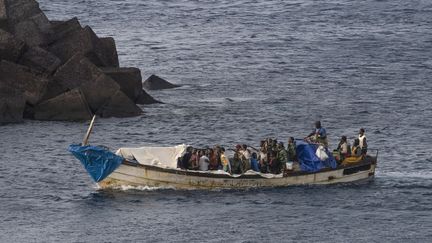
(98,161)
(309,161)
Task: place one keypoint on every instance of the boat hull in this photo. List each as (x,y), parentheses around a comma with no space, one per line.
(130,174)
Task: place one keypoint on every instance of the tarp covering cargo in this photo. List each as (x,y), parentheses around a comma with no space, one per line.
(98,161)
(309,161)
(158,156)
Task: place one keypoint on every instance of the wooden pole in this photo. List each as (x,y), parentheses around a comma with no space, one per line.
(89,130)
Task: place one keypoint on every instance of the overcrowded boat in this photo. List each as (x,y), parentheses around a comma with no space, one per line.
(306,161)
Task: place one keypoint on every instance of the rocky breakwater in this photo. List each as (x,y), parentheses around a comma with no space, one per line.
(60,70)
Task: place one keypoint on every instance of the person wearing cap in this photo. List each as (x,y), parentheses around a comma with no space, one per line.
(362,141)
(319,134)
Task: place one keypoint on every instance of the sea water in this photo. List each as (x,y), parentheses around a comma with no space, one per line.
(249,70)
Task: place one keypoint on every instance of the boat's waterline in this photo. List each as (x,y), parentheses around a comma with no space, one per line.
(151,176)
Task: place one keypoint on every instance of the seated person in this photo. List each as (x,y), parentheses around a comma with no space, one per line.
(254,162)
(184,162)
(214,161)
(319,135)
(356,150)
(194,160)
(224,160)
(291,149)
(343,148)
(204,162)
(274,163)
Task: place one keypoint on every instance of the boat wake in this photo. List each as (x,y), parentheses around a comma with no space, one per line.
(136,188)
(412,175)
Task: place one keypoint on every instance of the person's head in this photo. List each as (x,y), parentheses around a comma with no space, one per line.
(254,155)
(343,138)
(189,149)
(361,131)
(274,142)
(281,145)
(222,149)
(356,142)
(318,124)
(291,140)
(262,143)
(244,146)
(194,151)
(238,147)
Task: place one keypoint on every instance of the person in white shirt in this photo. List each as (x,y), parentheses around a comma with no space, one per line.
(204,162)
(362,141)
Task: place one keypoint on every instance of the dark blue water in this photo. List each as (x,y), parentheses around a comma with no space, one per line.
(284,64)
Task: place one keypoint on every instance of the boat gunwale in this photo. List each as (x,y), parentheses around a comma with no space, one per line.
(369,160)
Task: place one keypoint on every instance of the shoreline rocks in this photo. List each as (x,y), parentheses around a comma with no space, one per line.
(59,70)
(155,82)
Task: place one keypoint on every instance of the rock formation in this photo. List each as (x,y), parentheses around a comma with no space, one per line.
(155,83)
(60,70)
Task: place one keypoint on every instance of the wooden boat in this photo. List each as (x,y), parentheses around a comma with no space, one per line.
(115,171)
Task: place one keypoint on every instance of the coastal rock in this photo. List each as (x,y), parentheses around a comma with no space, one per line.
(61,29)
(40,60)
(12,105)
(11,48)
(70,106)
(108,43)
(3,16)
(119,106)
(129,79)
(145,99)
(155,83)
(21,78)
(82,41)
(27,22)
(97,87)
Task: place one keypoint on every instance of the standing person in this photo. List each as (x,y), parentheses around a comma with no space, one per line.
(236,161)
(224,160)
(291,149)
(319,135)
(362,141)
(282,156)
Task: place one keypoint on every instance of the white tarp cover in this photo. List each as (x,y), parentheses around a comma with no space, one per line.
(159,156)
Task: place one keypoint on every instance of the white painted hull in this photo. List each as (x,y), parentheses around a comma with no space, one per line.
(151,176)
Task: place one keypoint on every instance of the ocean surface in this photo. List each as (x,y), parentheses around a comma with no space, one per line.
(249,69)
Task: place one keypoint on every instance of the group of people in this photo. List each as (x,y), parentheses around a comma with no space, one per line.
(358,148)
(271,157)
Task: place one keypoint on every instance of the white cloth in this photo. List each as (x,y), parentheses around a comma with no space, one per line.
(204,162)
(362,139)
(344,148)
(159,156)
